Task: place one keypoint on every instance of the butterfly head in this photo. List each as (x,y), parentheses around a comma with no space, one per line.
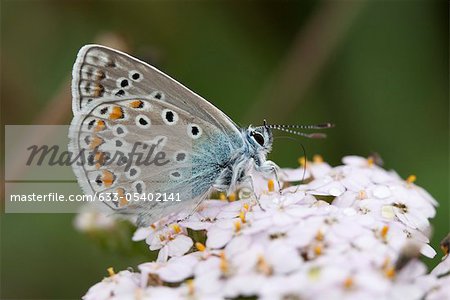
(260,138)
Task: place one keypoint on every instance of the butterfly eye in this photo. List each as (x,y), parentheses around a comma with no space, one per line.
(258,138)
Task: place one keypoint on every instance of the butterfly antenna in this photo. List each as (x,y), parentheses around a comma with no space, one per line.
(287,128)
(306,161)
(303,149)
(316,126)
(315,135)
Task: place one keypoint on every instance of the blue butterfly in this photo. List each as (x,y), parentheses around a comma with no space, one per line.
(123,105)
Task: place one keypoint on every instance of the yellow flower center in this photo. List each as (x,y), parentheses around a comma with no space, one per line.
(302,161)
(384,232)
(242,216)
(314,273)
(411,179)
(200,247)
(390,272)
(271,185)
(318,249)
(388,269)
(262,266)
(232,197)
(162,238)
(319,236)
(191,286)
(317,159)
(362,195)
(237,226)
(223,263)
(348,282)
(176,228)
(111,271)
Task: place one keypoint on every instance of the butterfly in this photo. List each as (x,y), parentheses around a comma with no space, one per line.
(120,102)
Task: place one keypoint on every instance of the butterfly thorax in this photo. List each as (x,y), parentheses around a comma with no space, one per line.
(256,145)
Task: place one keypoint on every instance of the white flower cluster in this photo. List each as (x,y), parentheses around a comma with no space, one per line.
(352,232)
(92,217)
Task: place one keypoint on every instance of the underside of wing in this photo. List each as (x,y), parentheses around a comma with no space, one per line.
(134,149)
(100,73)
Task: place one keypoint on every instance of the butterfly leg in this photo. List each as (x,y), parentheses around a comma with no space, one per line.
(269,167)
(275,171)
(228,182)
(249,179)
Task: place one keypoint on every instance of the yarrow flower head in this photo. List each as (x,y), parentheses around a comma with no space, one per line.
(351,231)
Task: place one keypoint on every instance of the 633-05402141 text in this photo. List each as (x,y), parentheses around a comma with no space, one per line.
(104,197)
(137,197)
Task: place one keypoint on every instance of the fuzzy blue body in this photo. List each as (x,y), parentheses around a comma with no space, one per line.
(233,161)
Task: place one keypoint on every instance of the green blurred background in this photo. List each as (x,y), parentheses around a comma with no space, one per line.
(377,69)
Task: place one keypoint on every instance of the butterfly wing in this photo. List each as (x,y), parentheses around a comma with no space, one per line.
(118,101)
(101,72)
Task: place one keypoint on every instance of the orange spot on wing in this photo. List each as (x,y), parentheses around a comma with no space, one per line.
(122,199)
(96,141)
(107,178)
(99,158)
(100,126)
(117,113)
(98,90)
(100,75)
(137,104)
